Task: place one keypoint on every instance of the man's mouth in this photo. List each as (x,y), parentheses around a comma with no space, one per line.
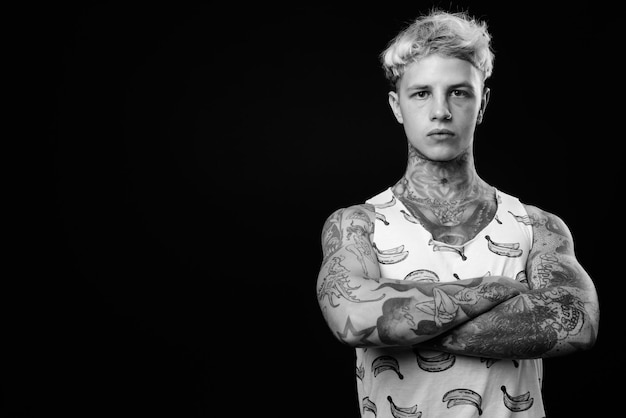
(440,133)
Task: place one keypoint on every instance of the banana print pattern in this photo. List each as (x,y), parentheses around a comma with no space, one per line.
(488,361)
(504,249)
(517,403)
(521,277)
(434,361)
(463,383)
(369,406)
(391,255)
(382,218)
(403,412)
(422,275)
(442,247)
(491,361)
(462,396)
(525,219)
(386,205)
(360,372)
(384,363)
(410,217)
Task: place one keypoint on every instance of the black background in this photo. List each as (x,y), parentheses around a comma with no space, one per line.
(171,203)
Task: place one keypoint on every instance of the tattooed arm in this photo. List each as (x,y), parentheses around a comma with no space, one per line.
(362,309)
(557,316)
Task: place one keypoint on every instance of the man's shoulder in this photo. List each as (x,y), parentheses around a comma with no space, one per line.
(542,220)
(536,212)
(363,210)
(531,210)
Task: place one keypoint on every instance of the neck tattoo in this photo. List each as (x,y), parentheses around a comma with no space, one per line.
(448,199)
(447,213)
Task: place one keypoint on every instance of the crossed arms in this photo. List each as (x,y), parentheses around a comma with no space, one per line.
(490,316)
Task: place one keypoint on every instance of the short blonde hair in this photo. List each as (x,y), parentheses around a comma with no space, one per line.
(448,34)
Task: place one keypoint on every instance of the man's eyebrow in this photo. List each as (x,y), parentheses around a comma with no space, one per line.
(450,87)
(418,87)
(462,84)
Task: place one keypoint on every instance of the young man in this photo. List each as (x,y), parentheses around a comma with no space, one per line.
(450,291)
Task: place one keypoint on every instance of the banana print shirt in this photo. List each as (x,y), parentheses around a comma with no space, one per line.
(406,383)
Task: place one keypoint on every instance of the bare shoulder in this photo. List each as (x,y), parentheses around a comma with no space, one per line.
(360,213)
(548,229)
(350,212)
(342,222)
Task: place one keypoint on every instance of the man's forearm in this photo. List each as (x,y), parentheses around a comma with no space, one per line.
(402,313)
(539,323)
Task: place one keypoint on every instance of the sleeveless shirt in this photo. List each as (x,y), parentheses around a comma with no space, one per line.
(409,383)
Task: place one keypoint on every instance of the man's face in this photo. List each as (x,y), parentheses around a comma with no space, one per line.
(438,100)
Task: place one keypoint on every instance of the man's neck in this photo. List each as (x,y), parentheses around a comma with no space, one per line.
(447,198)
(454,181)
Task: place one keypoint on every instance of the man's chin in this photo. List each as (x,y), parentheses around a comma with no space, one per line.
(443,154)
(443,157)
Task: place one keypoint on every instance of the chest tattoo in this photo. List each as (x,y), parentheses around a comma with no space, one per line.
(452,222)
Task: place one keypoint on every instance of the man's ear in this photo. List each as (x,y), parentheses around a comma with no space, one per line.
(395,105)
(483,105)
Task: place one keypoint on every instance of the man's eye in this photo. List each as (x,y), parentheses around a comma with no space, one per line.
(459,93)
(420,94)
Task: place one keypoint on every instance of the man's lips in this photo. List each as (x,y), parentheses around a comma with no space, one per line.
(440,132)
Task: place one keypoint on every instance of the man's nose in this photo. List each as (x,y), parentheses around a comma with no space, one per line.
(440,110)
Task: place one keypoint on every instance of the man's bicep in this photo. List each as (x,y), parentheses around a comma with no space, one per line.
(346,245)
(349,231)
(349,272)
(558,280)
(552,260)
